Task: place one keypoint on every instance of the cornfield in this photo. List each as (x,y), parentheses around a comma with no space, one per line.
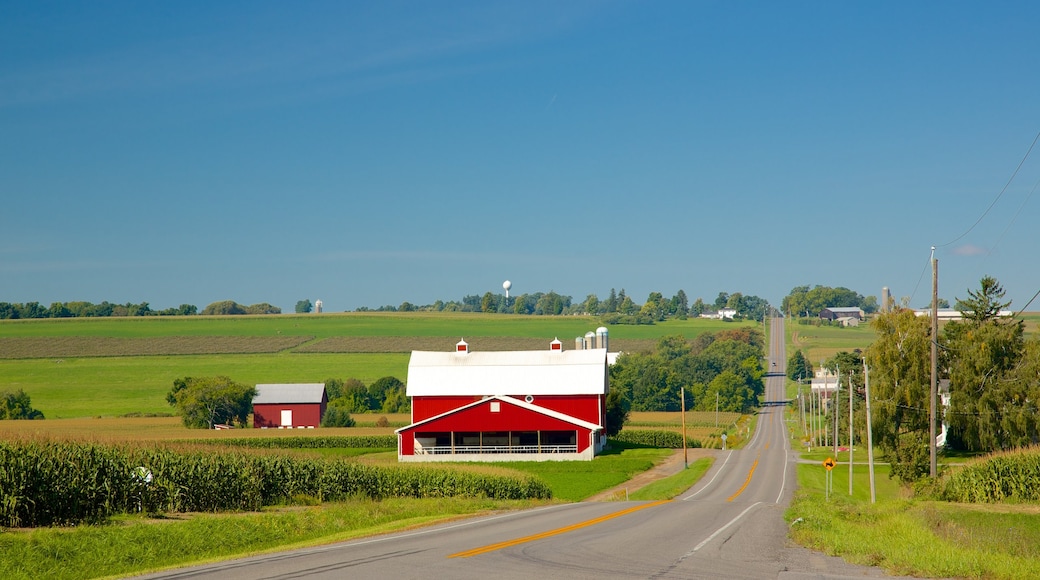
(67,483)
(1011,475)
(655,438)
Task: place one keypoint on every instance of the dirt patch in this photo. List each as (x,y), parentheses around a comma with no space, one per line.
(670,466)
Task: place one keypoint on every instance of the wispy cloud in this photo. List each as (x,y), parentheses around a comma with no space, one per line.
(969,250)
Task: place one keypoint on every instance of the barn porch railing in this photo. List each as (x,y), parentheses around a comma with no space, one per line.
(489,449)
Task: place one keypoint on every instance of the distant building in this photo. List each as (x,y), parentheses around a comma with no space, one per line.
(720,314)
(834,313)
(289,406)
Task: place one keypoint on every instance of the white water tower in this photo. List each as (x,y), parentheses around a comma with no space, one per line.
(506,286)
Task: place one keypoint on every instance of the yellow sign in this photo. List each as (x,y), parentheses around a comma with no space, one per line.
(829,463)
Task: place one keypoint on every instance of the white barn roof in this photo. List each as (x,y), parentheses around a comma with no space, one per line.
(533,372)
(282,393)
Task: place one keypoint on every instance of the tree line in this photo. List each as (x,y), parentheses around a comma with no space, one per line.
(617,308)
(82,309)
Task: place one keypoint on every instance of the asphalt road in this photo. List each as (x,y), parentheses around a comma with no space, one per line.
(729,525)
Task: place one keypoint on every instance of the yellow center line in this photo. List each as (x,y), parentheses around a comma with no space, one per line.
(746,481)
(550,533)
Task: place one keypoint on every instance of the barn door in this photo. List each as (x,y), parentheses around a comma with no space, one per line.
(287,418)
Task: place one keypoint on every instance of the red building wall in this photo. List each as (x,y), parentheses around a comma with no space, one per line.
(585,407)
(508,418)
(304,414)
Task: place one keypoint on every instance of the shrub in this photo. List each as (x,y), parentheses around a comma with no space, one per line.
(337,417)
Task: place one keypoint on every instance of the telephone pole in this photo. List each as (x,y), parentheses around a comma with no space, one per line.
(935,355)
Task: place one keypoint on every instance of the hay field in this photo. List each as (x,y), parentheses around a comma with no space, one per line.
(90,367)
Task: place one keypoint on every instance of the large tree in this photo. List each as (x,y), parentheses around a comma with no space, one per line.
(993,402)
(207,401)
(900,382)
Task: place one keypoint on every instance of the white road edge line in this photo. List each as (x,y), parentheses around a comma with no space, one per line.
(720,530)
(707,485)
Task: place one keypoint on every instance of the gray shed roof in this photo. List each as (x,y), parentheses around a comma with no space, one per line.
(289,393)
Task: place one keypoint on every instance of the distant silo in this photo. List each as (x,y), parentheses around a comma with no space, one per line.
(886,299)
(317,306)
(590,339)
(601,338)
(579,343)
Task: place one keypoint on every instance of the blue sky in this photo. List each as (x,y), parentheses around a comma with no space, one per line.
(374,153)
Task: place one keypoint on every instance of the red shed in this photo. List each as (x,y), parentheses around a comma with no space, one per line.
(505,406)
(288,406)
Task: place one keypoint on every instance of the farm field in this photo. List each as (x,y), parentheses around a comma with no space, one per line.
(91,367)
(445,324)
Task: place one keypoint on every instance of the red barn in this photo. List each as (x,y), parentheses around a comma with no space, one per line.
(505,406)
(288,406)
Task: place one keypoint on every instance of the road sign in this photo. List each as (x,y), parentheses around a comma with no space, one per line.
(829,463)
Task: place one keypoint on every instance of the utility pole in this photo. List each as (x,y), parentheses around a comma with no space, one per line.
(682,400)
(935,356)
(870,436)
(837,389)
(850,434)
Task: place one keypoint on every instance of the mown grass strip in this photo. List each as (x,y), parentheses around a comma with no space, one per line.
(673,485)
(135,544)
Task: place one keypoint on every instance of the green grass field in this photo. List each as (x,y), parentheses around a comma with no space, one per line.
(128,377)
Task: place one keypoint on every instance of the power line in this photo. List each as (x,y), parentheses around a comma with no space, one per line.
(999,195)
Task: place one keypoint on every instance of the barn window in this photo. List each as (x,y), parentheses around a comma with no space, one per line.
(496,406)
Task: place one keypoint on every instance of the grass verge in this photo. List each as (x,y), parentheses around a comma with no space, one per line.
(673,485)
(906,536)
(134,544)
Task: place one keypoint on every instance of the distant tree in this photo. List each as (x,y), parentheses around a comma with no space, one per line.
(655,307)
(552,304)
(591,304)
(627,307)
(522,305)
(680,305)
(617,412)
(17,405)
(8,311)
(337,416)
(698,308)
(395,399)
(262,308)
(224,307)
(488,303)
(799,367)
(59,310)
(611,305)
(207,401)
(378,390)
(406,307)
(304,306)
(333,388)
(355,397)
(984,304)
(721,300)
